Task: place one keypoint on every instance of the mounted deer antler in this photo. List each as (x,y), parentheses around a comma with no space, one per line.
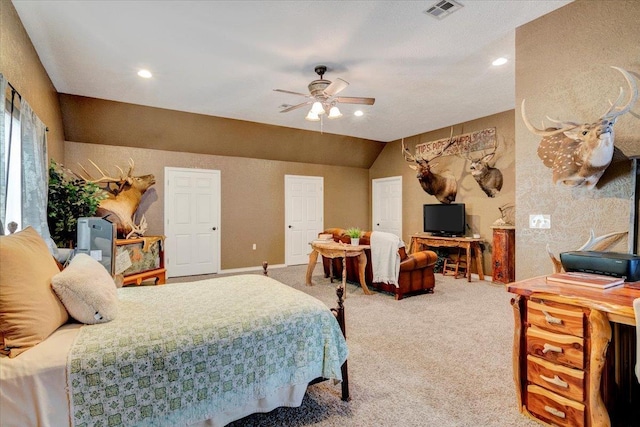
(443,187)
(580,153)
(123,201)
(489,178)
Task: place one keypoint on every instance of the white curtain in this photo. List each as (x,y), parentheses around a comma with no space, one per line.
(3,160)
(35,173)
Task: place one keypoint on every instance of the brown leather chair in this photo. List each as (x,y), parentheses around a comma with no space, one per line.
(416,270)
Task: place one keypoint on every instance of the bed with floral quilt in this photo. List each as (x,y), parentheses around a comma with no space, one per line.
(197,353)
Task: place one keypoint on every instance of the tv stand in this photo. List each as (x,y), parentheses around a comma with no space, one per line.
(420,241)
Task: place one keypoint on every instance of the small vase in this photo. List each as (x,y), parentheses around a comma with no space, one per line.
(355,241)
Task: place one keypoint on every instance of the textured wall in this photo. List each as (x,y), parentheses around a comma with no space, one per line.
(21,66)
(481,210)
(252,200)
(563,71)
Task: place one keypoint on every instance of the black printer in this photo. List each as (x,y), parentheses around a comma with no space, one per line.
(613,264)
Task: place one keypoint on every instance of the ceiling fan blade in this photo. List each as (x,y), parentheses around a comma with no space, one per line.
(293,93)
(295,107)
(335,86)
(354,100)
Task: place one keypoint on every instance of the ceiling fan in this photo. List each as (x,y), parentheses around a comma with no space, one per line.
(322,97)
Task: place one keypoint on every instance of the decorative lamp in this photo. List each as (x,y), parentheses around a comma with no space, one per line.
(312,117)
(317,108)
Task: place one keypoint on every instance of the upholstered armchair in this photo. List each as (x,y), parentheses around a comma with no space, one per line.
(416,270)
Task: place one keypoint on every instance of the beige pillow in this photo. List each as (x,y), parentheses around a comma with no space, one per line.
(87,290)
(29,309)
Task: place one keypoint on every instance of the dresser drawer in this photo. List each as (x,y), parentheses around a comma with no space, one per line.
(563,318)
(568,382)
(554,408)
(558,348)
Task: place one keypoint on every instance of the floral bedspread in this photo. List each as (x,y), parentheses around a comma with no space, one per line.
(178,353)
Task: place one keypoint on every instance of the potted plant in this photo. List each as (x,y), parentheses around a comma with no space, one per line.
(69,198)
(355,233)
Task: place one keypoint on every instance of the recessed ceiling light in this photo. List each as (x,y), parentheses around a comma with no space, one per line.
(145,73)
(499,61)
(358,113)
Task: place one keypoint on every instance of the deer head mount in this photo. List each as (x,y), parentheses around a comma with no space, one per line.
(443,187)
(124,196)
(578,153)
(489,178)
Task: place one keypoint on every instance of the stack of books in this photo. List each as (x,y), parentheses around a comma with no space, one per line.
(586,279)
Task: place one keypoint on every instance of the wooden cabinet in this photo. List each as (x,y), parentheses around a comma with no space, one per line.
(555,365)
(503,256)
(141,259)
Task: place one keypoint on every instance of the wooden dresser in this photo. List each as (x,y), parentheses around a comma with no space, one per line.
(561,339)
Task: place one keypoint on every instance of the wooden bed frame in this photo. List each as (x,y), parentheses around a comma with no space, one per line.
(339,313)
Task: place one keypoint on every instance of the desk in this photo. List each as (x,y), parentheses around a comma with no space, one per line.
(332,249)
(470,245)
(561,336)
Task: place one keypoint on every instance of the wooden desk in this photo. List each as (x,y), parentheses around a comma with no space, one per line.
(332,249)
(470,245)
(561,336)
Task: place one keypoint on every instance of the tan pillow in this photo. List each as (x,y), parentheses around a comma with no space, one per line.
(87,290)
(29,309)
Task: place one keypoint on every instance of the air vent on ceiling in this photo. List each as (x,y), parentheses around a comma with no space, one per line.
(443,8)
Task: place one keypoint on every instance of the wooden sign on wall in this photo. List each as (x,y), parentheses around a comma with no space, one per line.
(462,144)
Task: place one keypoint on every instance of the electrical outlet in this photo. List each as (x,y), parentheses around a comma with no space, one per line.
(539,221)
(254,246)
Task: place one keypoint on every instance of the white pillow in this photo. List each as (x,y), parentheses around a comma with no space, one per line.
(87,290)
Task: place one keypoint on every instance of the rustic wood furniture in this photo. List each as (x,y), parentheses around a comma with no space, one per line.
(420,241)
(560,356)
(503,255)
(332,249)
(158,274)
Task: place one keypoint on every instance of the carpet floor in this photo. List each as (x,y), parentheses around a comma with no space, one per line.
(441,359)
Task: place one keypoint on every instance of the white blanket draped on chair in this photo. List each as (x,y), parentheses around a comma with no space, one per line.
(385,260)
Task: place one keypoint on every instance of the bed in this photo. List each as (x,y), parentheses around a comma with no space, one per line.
(198,353)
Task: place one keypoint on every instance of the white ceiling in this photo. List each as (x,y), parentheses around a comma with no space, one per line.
(224,58)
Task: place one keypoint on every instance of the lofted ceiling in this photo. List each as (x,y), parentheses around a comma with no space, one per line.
(224,58)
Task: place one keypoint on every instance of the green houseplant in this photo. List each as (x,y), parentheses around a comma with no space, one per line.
(355,233)
(69,198)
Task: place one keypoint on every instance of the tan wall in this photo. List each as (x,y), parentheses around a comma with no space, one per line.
(481,210)
(20,65)
(252,195)
(562,70)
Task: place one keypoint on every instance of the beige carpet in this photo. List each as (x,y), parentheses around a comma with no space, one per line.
(441,359)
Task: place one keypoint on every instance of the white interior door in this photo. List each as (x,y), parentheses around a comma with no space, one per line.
(387,205)
(304,206)
(192,221)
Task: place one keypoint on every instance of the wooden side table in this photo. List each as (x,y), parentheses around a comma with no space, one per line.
(137,277)
(332,249)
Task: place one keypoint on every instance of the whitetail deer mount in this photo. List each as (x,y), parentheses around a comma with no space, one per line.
(124,196)
(444,187)
(578,153)
(488,177)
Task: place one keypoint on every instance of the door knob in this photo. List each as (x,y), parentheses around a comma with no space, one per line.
(290,226)
(214,228)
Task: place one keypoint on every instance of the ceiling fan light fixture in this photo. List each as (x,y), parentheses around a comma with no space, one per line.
(317,108)
(358,113)
(334,113)
(312,117)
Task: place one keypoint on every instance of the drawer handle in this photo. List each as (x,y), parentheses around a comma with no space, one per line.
(548,347)
(552,320)
(554,411)
(555,380)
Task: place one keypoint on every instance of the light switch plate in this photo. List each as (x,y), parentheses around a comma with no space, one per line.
(539,221)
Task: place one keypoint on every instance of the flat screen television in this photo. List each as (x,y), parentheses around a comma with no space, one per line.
(444,220)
